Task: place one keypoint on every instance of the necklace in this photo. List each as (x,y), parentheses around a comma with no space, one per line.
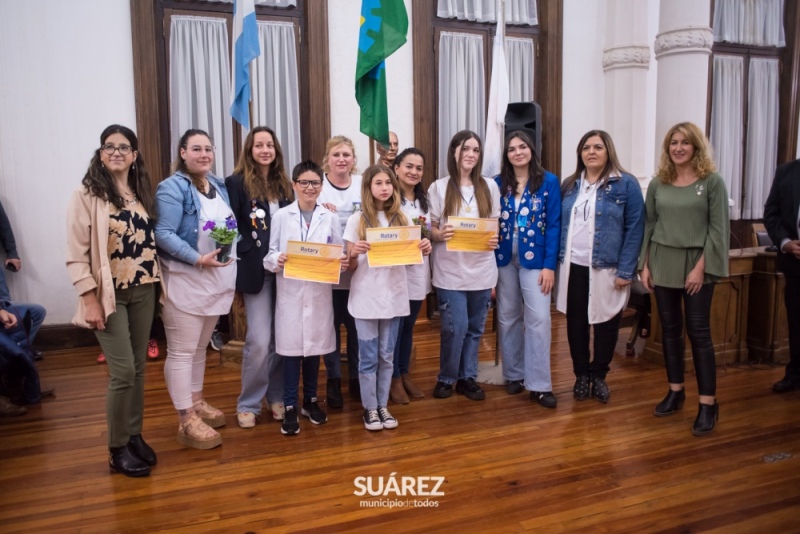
(467,206)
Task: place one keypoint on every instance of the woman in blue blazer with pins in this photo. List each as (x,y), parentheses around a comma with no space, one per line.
(530,229)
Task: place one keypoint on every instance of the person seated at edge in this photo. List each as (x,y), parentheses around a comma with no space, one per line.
(199,288)
(530,228)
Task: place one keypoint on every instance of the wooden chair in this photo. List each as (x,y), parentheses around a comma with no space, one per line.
(760,236)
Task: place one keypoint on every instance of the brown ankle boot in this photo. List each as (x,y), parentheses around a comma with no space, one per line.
(411,388)
(397,393)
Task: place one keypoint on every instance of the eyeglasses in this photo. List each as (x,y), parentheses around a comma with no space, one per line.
(305,184)
(109,149)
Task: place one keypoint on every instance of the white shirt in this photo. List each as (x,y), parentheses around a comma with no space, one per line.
(462,271)
(582,224)
(206,291)
(419,276)
(346,202)
(375,292)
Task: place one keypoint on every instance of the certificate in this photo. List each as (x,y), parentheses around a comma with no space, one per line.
(395,245)
(313,262)
(471,235)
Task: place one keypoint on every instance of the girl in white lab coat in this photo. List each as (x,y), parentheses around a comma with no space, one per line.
(378,295)
(304,310)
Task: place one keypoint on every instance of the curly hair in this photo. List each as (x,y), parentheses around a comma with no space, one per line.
(702,160)
(99,182)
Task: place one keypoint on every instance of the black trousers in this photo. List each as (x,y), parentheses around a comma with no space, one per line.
(792,301)
(697,309)
(605,334)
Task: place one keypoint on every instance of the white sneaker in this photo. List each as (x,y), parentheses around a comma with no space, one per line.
(387,419)
(246,419)
(278,410)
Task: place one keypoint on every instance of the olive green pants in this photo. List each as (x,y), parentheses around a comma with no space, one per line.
(124,343)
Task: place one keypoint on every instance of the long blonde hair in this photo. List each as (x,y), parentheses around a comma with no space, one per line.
(332,143)
(452,196)
(391,207)
(276,186)
(702,160)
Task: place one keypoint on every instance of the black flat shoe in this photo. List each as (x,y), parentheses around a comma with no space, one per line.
(513,387)
(141,449)
(581,388)
(600,389)
(123,460)
(786,385)
(671,403)
(707,417)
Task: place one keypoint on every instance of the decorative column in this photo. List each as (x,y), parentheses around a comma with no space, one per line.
(682,48)
(626,60)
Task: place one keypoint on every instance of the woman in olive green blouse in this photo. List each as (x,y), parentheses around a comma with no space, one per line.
(685,251)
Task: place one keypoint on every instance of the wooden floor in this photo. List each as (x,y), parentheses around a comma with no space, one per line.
(508,465)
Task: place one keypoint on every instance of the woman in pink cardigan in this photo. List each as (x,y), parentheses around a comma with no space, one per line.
(111,258)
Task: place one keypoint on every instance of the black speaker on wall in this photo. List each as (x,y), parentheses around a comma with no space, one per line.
(526,116)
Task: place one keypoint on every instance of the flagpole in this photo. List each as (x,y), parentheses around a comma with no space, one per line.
(371,151)
(250,102)
(501,29)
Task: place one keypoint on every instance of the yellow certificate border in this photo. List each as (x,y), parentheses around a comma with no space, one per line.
(471,240)
(313,267)
(403,250)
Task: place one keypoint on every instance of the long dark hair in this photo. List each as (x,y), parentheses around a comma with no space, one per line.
(419,191)
(612,165)
(508,180)
(276,187)
(180,164)
(452,196)
(99,182)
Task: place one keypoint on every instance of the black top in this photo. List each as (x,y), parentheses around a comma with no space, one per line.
(253,220)
(7,235)
(131,249)
(780,213)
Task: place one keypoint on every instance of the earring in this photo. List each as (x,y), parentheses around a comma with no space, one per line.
(133,167)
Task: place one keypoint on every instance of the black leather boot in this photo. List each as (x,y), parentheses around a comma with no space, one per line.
(707,416)
(334,393)
(123,460)
(142,450)
(671,403)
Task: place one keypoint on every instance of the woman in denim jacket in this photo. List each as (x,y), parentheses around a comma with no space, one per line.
(602,225)
(530,225)
(199,288)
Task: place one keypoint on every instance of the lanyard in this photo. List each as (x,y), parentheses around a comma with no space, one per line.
(303,225)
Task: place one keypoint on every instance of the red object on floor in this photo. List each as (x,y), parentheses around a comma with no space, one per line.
(152,349)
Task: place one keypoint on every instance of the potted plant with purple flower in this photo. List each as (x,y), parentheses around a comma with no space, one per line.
(225,234)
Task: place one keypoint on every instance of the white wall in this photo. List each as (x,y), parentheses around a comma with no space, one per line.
(67,73)
(343,25)
(583,93)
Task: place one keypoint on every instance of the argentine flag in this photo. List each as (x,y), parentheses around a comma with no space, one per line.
(245,49)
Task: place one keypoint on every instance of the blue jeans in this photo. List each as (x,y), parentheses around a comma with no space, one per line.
(342,315)
(405,339)
(376,341)
(291,378)
(5,294)
(262,368)
(523,317)
(463,315)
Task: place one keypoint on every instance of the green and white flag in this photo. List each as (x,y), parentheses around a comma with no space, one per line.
(384,25)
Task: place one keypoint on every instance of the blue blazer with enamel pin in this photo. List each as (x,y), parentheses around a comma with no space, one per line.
(539,223)
(253,220)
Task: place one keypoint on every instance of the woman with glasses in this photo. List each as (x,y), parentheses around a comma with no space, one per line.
(199,287)
(111,258)
(341,195)
(303,327)
(258,188)
(602,222)
(530,226)
(685,251)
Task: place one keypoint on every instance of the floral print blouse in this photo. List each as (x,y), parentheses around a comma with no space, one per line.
(132,249)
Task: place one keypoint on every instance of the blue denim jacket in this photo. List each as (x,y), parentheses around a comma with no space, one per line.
(619,224)
(538,239)
(178,208)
